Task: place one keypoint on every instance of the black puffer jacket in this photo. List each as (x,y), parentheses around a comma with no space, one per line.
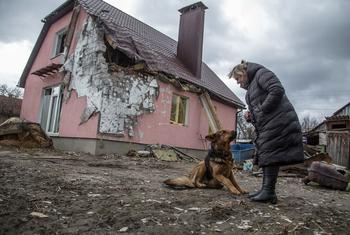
(279,138)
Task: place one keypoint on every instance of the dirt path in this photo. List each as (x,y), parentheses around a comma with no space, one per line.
(110,195)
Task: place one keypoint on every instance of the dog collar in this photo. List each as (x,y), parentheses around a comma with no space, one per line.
(222,154)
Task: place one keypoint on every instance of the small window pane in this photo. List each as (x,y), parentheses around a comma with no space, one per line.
(182,110)
(178,109)
(58,114)
(61,41)
(45,110)
(51,109)
(52,114)
(47,91)
(173,109)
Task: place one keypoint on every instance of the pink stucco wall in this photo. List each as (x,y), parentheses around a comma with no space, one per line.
(71,110)
(34,84)
(151,129)
(70,119)
(156,127)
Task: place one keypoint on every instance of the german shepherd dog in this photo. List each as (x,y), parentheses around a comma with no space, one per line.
(216,170)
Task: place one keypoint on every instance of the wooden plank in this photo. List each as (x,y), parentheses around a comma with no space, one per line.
(71,29)
(9,129)
(209,109)
(338,147)
(110,41)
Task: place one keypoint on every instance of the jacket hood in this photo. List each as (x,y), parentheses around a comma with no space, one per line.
(252,68)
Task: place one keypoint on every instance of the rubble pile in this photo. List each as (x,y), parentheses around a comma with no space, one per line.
(20,133)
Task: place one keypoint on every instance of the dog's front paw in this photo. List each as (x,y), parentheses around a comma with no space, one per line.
(244,191)
(235,192)
(200,185)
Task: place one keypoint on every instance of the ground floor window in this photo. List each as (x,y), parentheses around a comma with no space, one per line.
(179,109)
(51,109)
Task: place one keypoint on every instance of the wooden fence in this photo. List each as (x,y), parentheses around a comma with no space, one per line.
(338,147)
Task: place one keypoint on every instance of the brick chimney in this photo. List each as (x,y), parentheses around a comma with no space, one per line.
(190,42)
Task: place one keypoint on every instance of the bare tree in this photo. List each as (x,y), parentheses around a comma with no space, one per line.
(14,92)
(308,123)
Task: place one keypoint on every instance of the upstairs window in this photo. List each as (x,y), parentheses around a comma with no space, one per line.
(59,42)
(179,110)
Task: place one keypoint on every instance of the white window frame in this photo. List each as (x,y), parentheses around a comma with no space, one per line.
(57,42)
(186,111)
(56,92)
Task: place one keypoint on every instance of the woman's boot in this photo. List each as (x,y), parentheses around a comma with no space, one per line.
(268,194)
(253,194)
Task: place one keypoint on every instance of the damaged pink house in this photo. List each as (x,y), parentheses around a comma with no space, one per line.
(101,81)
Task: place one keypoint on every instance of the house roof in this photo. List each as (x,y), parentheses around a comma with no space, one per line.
(341,109)
(143,43)
(338,118)
(335,116)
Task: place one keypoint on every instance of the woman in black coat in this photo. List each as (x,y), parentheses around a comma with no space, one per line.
(278,131)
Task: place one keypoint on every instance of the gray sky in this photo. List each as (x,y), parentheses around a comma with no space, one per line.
(306,43)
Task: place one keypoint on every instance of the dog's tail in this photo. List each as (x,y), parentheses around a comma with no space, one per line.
(183,181)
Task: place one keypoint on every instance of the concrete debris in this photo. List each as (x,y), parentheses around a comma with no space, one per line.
(38,214)
(286,218)
(194,209)
(141,153)
(124,229)
(244,225)
(179,209)
(168,78)
(165,154)
(169,153)
(132,153)
(120,97)
(20,133)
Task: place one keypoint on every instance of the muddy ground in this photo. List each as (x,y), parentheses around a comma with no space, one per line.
(73,193)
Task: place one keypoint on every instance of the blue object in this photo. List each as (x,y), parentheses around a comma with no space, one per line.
(242,152)
(248,165)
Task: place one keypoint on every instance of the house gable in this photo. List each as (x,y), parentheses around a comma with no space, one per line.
(153,47)
(108,90)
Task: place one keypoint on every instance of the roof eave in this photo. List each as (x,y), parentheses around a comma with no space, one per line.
(339,110)
(227,101)
(48,21)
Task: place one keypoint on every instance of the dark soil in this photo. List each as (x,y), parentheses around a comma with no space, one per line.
(84,194)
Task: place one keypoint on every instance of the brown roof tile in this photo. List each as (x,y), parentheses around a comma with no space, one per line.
(142,42)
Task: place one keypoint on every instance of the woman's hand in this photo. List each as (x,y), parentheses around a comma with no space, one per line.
(248,116)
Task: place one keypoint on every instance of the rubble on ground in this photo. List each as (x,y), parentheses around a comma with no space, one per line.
(45,191)
(20,133)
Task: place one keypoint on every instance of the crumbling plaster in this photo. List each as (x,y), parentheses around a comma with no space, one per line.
(119,97)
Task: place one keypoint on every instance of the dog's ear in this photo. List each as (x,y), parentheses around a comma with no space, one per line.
(211,137)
